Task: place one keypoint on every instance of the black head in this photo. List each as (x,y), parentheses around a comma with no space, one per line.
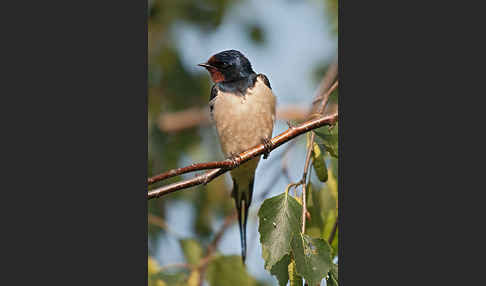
(228,66)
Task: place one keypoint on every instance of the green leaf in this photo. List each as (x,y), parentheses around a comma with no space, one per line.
(335,243)
(334,270)
(315,226)
(192,251)
(295,279)
(331,217)
(228,270)
(280,270)
(279,219)
(173,279)
(332,279)
(312,258)
(319,163)
(329,139)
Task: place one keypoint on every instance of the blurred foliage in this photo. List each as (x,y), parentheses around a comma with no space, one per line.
(332,11)
(256,33)
(173,87)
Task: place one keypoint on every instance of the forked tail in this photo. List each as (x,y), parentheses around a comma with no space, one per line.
(242,201)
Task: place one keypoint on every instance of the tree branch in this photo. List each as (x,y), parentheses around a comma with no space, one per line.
(333,232)
(320,110)
(238,160)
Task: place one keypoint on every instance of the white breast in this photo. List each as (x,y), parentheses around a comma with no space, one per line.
(243,121)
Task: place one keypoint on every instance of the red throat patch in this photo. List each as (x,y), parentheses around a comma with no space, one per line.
(216,75)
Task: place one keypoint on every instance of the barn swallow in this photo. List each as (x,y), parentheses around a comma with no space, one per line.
(242,106)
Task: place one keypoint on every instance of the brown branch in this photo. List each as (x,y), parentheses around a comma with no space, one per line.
(227,223)
(333,232)
(160,222)
(190,168)
(325,83)
(176,265)
(320,110)
(303,180)
(192,117)
(242,157)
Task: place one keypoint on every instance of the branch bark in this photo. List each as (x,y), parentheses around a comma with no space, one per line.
(238,160)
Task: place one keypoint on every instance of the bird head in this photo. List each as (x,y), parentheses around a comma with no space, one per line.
(228,66)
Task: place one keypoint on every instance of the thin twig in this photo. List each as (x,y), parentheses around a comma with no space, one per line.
(190,168)
(304,177)
(160,222)
(320,110)
(244,156)
(333,232)
(227,223)
(176,265)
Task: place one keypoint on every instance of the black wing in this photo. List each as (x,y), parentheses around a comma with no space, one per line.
(214,92)
(265,80)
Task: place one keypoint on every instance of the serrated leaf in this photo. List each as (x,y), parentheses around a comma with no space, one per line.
(279,220)
(228,270)
(329,140)
(192,251)
(319,163)
(312,258)
(280,270)
(295,279)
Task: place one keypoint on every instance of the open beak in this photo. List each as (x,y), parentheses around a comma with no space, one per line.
(206,66)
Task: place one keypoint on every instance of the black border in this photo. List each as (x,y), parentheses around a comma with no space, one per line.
(80,206)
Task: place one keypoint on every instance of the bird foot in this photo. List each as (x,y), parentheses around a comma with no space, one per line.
(235,160)
(290,124)
(268,147)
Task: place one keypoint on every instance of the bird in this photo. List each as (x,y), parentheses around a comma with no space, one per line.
(242,107)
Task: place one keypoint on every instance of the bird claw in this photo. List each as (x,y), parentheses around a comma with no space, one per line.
(289,124)
(235,160)
(268,147)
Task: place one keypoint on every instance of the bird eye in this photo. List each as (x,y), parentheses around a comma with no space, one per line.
(224,65)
